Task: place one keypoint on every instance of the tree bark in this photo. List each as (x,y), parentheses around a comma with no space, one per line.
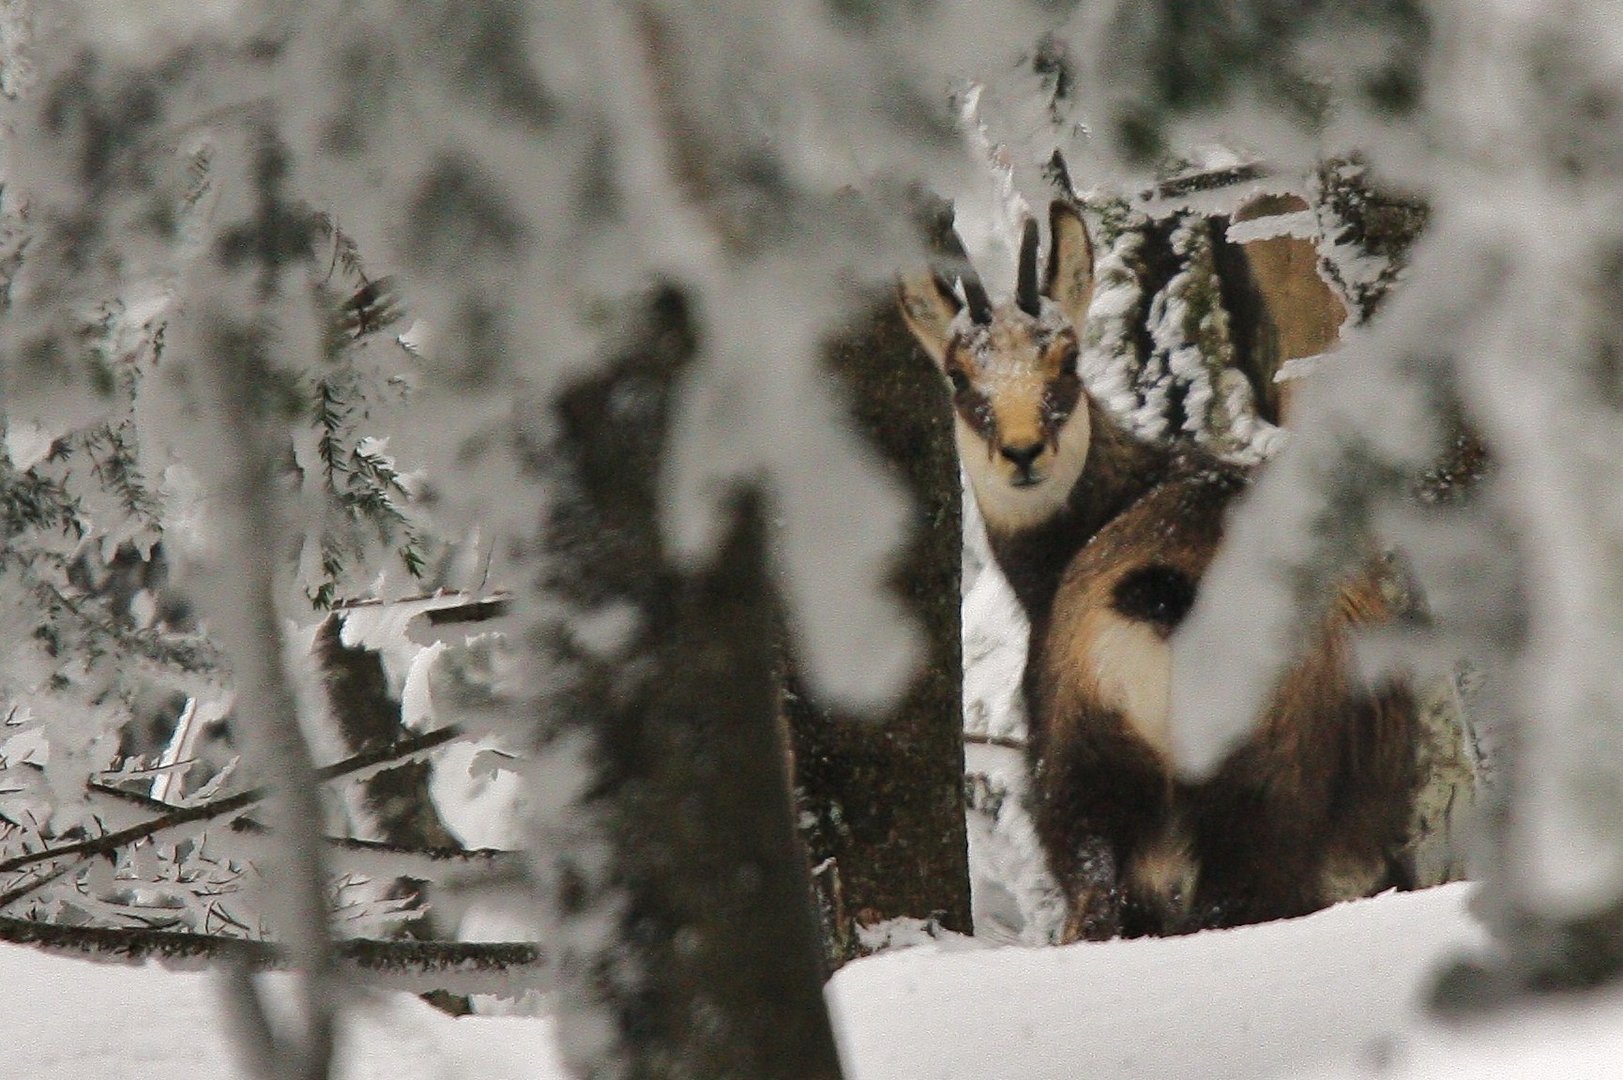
(713,967)
(884,796)
(367,717)
(1297,314)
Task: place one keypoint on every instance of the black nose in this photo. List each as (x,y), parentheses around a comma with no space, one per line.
(1022,456)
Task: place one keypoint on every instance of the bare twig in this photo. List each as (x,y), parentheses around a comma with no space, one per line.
(34,884)
(1006,741)
(107,843)
(1205,180)
(448,867)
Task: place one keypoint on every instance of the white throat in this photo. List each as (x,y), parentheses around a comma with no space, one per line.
(1006,508)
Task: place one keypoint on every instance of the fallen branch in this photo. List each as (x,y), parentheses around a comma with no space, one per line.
(457,967)
(448,867)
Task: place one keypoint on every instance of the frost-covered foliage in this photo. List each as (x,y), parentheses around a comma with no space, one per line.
(1369,233)
(110,658)
(517,176)
(1188,384)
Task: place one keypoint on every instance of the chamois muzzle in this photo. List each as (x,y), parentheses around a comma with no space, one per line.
(1024,459)
(1022,456)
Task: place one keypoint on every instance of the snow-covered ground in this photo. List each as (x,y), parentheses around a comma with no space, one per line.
(1340,986)
(1333,996)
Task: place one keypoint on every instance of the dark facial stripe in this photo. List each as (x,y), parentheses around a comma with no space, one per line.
(976,409)
(1060,398)
(974,406)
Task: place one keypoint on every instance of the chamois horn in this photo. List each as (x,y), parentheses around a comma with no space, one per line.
(980,304)
(1025,293)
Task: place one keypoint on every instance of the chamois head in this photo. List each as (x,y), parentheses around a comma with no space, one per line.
(1022,419)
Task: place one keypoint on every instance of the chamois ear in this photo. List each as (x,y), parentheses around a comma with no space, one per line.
(1070,261)
(928,306)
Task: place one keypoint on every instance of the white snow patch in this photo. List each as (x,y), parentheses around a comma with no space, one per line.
(1335,991)
(1265,1001)
(1014,898)
(994,635)
(27,443)
(133,1023)
(909,933)
(1303,224)
(1574,1040)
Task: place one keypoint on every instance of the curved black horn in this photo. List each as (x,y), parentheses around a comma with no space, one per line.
(1025,293)
(980,304)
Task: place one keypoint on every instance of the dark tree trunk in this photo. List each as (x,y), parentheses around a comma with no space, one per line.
(714,970)
(368,717)
(884,796)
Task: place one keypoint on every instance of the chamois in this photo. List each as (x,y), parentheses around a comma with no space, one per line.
(1104,537)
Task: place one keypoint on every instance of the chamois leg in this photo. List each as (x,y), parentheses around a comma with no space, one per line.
(1307,816)
(1099,803)
(1260,856)
(1374,798)
(1093,892)
(1083,854)
(1264,822)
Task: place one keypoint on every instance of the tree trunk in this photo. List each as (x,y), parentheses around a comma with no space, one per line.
(884,796)
(367,716)
(1298,314)
(711,967)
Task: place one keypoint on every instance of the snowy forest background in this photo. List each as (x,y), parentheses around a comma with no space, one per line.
(445,449)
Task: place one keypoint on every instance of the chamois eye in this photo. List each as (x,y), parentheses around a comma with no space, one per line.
(1060,397)
(960,381)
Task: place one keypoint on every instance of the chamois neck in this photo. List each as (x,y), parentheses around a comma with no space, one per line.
(1118,470)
